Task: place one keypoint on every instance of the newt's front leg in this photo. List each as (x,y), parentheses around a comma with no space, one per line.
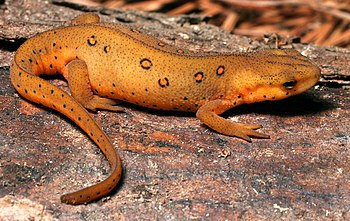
(209,115)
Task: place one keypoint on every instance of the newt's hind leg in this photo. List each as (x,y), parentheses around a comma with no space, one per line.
(86,18)
(209,115)
(79,84)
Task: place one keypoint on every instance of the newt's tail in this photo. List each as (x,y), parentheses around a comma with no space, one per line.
(25,78)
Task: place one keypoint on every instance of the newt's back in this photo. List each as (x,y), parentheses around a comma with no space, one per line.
(127,65)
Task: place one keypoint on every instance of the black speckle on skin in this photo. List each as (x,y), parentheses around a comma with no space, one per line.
(185,98)
(39,85)
(30,60)
(64,105)
(26,91)
(52,91)
(79,118)
(51,66)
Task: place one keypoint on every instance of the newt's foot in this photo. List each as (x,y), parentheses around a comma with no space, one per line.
(230,128)
(86,18)
(245,131)
(208,114)
(103,104)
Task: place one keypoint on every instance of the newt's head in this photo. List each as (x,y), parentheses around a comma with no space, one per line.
(276,74)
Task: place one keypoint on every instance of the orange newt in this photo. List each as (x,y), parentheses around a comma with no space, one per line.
(105,62)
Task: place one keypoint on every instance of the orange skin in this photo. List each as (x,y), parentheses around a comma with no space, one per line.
(106,62)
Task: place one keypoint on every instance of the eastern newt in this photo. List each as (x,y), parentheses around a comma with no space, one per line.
(105,62)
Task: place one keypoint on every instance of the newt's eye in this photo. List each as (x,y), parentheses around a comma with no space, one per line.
(289,84)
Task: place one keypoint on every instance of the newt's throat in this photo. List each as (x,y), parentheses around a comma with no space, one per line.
(264,93)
